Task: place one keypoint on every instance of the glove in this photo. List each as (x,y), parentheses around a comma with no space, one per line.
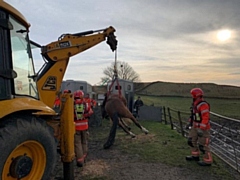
(200,132)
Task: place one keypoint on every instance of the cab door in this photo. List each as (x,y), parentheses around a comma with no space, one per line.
(6,72)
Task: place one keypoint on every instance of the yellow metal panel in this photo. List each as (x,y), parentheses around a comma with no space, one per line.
(50,84)
(24,103)
(67,127)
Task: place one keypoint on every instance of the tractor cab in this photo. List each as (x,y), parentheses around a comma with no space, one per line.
(16,63)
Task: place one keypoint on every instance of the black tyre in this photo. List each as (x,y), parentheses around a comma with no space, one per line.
(27,149)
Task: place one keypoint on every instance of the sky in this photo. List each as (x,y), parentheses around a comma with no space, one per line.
(162,40)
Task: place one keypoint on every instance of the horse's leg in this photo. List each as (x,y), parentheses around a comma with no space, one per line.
(112,134)
(123,125)
(138,124)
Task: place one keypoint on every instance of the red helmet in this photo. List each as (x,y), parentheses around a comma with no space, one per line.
(78,94)
(196,92)
(67,91)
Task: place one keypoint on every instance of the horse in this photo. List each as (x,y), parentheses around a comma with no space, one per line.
(116,108)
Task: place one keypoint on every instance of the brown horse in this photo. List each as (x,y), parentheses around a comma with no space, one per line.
(116,108)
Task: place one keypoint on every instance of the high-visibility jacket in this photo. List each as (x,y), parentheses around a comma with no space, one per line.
(91,102)
(201,115)
(57,105)
(81,114)
(57,102)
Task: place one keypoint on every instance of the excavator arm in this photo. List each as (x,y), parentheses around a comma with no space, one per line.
(71,44)
(57,56)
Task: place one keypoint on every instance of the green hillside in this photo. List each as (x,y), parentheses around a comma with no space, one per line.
(160,88)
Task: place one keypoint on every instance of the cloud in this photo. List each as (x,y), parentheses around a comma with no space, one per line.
(162,40)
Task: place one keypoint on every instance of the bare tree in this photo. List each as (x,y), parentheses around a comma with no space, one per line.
(124,71)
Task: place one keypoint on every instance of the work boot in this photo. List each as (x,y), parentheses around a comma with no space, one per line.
(85,158)
(79,164)
(202,163)
(192,158)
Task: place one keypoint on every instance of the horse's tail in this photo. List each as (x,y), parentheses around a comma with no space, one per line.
(105,99)
(103,111)
(112,134)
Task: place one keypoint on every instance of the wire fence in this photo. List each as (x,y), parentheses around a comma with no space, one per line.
(225,134)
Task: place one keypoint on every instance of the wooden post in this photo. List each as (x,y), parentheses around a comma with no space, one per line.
(170,117)
(164,114)
(180,121)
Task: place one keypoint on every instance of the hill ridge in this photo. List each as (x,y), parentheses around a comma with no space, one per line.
(161,88)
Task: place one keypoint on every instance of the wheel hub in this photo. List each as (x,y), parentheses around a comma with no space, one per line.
(21,166)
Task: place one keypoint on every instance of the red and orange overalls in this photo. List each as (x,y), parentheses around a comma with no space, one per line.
(81,115)
(200,122)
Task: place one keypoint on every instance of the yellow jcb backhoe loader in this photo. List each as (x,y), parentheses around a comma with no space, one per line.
(28,147)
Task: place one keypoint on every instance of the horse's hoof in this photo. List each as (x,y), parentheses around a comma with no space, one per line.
(132,135)
(145,130)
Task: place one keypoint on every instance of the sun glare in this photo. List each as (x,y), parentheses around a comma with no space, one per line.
(224,35)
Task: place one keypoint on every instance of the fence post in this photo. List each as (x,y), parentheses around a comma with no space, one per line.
(180,121)
(164,114)
(170,117)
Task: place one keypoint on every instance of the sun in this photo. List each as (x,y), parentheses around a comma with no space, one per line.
(224,35)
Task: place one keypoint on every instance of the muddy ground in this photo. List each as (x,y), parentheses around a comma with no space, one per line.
(112,164)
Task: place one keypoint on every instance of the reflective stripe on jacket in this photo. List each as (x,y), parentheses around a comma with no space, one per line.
(81,125)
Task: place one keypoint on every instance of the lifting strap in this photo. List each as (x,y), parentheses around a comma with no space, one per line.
(118,86)
(115,78)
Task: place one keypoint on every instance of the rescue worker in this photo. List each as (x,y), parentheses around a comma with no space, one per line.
(91,102)
(57,103)
(67,91)
(138,103)
(199,135)
(81,114)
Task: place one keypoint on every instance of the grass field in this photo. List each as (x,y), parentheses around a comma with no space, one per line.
(223,99)
(159,88)
(163,145)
